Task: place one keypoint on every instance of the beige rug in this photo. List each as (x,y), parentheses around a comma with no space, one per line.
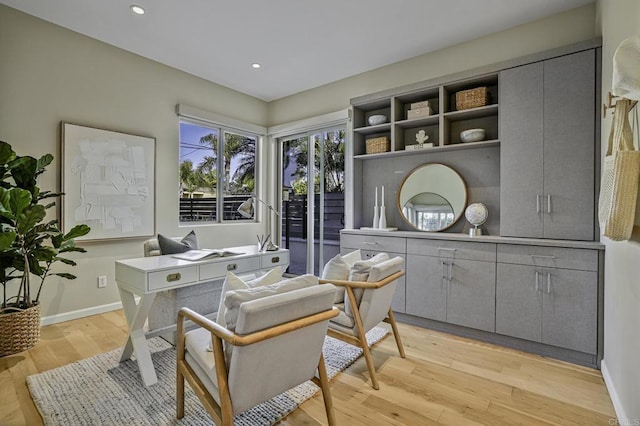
(101,391)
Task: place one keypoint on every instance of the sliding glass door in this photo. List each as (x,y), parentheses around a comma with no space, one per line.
(313,197)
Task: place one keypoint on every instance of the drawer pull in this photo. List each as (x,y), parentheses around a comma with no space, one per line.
(275,259)
(370,243)
(542,256)
(174,277)
(232,267)
(446,249)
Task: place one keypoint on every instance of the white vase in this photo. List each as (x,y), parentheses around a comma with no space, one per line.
(382,222)
(376,217)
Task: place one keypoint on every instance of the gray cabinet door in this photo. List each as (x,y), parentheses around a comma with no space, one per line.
(472,294)
(521,153)
(570,307)
(426,290)
(569,146)
(518,301)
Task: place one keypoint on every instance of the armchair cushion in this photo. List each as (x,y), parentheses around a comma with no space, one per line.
(360,272)
(233,282)
(170,246)
(199,354)
(233,299)
(338,269)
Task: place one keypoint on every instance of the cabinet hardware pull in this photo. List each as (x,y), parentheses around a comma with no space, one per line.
(232,267)
(549,203)
(543,256)
(446,249)
(370,243)
(450,276)
(537,281)
(275,259)
(444,273)
(174,277)
(537,203)
(548,282)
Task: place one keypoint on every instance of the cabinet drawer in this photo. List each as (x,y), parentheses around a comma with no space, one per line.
(549,257)
(218,270)
(373,242)
(172,277)
(269,261)
(452,249)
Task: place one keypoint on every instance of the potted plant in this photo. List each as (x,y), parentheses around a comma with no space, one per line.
(29,247)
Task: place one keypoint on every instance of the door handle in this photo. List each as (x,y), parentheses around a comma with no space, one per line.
(537,203)
(450,267)
(444,276)
(548,203)
(548,282)
(537,278)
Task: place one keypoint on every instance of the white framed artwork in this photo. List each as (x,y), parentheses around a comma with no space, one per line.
(108,179)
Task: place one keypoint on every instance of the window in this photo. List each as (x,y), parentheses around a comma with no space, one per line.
(213,186)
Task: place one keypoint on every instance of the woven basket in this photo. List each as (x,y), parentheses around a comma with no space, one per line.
(376,145)
(19,330)
(472,98)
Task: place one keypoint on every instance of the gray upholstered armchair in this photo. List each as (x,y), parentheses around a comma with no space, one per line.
(366,304)
(277,343)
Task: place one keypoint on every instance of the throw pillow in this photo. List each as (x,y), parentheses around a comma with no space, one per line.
(233,299)
(338,269)
(171,246)
(233,282)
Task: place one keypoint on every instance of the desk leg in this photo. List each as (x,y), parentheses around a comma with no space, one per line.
(136,315)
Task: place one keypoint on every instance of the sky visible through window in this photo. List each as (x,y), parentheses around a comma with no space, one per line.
(190,147)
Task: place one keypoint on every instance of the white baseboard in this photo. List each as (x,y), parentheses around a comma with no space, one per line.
(81,313)
(615,399)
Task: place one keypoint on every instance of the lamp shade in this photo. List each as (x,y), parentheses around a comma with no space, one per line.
(246,208)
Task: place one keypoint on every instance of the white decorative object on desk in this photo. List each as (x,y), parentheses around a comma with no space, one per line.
(476,214)
(376,216)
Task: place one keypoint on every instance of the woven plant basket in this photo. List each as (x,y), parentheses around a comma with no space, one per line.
(377,145)
(472,98)
(19,330)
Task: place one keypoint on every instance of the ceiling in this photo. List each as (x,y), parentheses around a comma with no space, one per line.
(300,44)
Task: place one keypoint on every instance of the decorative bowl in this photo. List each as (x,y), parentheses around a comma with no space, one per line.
(472,135)
(377,119)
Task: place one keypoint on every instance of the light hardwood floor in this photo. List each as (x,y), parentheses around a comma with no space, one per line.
(443,380)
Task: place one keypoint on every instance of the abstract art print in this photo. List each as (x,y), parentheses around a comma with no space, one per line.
(108,182)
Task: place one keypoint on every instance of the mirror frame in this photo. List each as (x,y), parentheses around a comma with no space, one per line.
(456,217)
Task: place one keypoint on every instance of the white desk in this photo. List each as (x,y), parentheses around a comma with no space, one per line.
(146,276)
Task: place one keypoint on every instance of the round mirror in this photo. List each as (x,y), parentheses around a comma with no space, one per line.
(432,197)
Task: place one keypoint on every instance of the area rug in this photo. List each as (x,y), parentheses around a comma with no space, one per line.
(101,391)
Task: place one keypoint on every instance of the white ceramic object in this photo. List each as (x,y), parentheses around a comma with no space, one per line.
(472,135)
(377,119)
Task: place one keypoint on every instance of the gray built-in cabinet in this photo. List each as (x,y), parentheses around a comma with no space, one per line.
(547,162)
(534,280)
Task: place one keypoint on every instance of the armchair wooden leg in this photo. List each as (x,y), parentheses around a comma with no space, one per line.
(396,335)
(179,393)
(326,393)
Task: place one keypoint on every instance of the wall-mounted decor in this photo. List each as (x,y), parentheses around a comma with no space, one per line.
(109,182)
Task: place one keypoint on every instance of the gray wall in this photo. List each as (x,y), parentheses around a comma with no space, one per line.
(621,19)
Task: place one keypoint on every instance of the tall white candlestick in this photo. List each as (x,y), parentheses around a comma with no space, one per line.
(376,203)
(382,204)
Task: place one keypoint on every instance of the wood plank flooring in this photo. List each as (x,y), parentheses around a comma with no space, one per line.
(444,380)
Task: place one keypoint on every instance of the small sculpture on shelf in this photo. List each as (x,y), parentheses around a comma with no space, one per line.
(421,139)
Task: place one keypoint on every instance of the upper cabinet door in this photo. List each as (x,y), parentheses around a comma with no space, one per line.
(521,153)
(547,154)
(569,146)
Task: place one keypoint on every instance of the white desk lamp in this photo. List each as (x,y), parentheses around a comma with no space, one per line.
(247,210)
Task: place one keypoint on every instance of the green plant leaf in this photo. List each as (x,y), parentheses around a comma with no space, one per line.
(19,199)
(7,239)
(77,231)
(66,275)
(30,217)
(67,249)
(7,153)
(23,171)
(43,162)
(66,261)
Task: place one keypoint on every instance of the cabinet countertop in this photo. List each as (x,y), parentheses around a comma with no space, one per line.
(593,245)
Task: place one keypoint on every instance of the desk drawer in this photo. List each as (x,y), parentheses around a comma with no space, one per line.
(218,270)
(276,259)
(172,277)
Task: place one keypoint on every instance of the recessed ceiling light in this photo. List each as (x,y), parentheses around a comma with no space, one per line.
(137,9)
(256,65)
